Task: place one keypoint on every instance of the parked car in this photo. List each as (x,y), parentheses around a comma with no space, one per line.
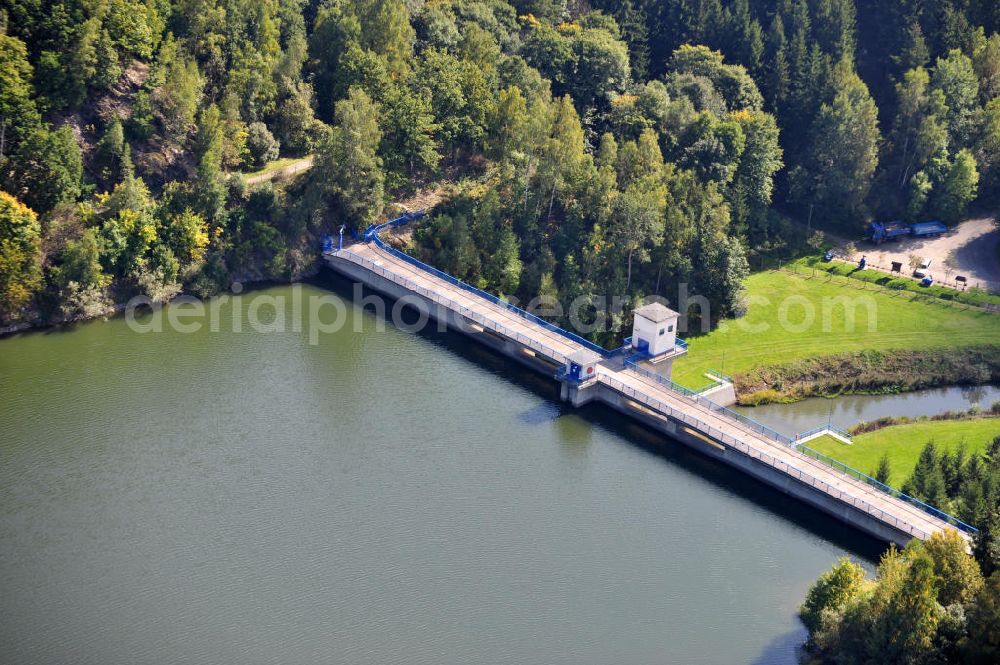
(927,281)
(922,269)
(828,256)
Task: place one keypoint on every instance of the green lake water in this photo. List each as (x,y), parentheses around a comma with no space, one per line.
(378,497)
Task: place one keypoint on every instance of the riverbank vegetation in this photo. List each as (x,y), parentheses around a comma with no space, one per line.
(902,445)
(890,421)
(802,337)
(929,603)
(932,602)
(873,372)
(618,148)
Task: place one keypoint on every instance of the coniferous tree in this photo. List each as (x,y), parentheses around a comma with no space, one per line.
(884,471)
(927,481)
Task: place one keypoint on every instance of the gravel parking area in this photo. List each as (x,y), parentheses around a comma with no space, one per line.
(969,249)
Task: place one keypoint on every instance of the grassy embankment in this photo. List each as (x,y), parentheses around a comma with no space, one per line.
(903,444)
(893,344)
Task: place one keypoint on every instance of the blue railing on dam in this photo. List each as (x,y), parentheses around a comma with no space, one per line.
(757,427)
(888,489)
(766,431)
(372,234)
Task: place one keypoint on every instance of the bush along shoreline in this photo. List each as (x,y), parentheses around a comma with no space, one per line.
(869,372)
(111,307)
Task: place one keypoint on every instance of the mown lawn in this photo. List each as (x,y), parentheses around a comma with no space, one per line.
(791,317)
(903,444)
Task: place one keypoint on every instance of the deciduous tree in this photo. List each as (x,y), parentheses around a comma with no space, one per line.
(20,255)
(348,164)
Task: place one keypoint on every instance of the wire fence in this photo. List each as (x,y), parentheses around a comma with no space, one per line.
(888,270)
(866,285)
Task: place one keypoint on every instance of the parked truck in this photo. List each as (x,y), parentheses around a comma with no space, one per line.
(879,232)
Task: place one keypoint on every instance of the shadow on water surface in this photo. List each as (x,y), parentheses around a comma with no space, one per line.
(781,647)
(141,312)
(545,412)
(653,442)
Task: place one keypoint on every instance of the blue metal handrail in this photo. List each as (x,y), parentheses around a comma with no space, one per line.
(758,454)
(888,489)
(373,230)
(372,234)
(718,408)
(708,386)
(781,438)
(714,372)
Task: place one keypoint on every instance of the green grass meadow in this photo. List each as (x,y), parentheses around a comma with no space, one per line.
(791,317)
(903,444)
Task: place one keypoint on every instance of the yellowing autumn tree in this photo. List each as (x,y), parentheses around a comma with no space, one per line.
(20,257)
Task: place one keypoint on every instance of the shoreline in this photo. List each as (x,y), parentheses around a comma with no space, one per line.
(752,393)
(794,399)
(869,373)
(118,309)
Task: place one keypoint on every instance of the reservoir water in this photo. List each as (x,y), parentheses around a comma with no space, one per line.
(378,497)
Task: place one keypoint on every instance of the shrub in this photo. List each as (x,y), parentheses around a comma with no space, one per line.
(261,144)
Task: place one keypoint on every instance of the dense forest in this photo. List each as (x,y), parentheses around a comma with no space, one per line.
(608,148)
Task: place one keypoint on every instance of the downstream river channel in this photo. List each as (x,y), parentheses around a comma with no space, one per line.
(848,410)
(377,497)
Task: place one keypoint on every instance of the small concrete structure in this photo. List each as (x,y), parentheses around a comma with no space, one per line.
(582,366)
(579,376)
(722,393)
(654,330)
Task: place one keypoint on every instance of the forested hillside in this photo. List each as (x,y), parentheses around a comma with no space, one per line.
(609,148)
